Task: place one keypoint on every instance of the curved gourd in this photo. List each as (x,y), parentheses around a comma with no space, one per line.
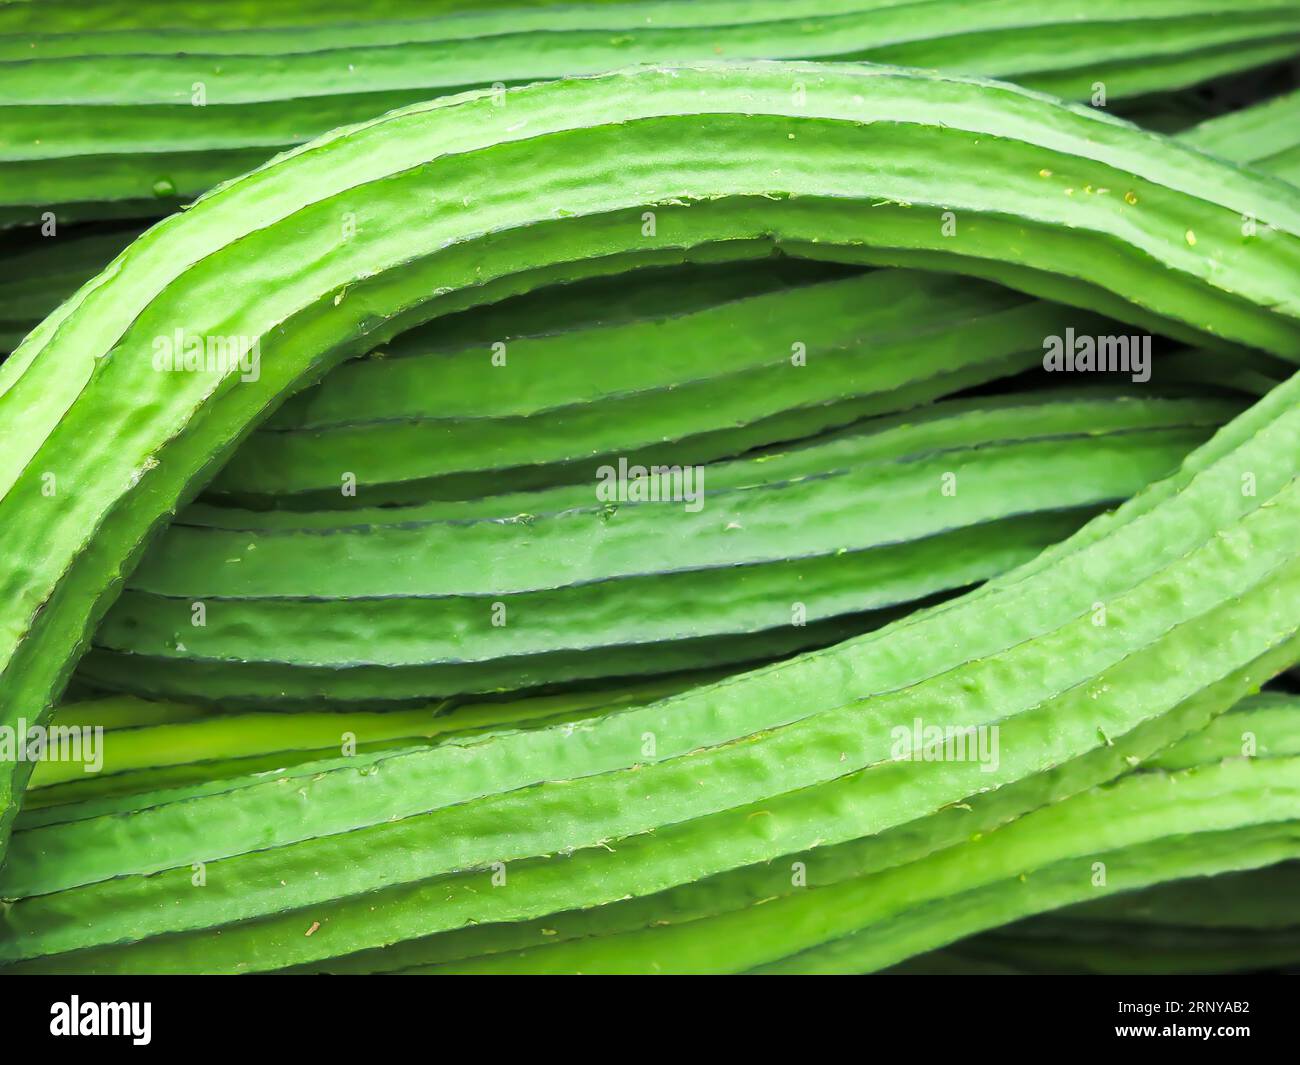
(106,115)
(460,201)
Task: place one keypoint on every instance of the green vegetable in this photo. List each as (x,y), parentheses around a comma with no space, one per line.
(452,605)
(1195,578)
(1240,623)
(152,746)
(1183,815)
(1265,135)
(658,390)
(175,107)
(325,314)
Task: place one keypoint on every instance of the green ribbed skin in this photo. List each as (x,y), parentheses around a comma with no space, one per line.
(156,747)
(685,913)
(47,270)
(1266,135)
(1232,815)
(280,686)
(1199,578)
(860,522)
(1126,825)
(408,389)
(1263,135)
(657,390)
(1157,533)
(1039,871)
(143,146)
(109,15)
